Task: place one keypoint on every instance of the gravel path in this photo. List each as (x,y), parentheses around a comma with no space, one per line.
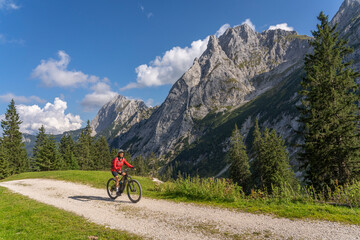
(160,219)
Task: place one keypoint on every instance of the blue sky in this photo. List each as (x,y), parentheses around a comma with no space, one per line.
(61,60)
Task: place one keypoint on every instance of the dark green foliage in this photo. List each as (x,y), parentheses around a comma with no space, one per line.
(4,164)
(239,168)
(271,167)
(46,154)
(84,149)
(12,141)
(101,156)
(67,152)
(329,112)
(141,166)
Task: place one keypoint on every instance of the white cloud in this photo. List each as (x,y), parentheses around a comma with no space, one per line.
(222,29)
(149,15)
(249,23)
(282,26)
(55,73)
(8,4)
(52,116)
(149,102)
(173,64)
(20,99)
(101,94)
(168,68)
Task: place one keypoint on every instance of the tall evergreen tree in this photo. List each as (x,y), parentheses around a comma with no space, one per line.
(239,168)
(12,140)
(270,166)
(330,116)
(274,162)
(256,156)
(67,152)
(102,157)
(4,164)
(46,153)
(85,149)
(37,160)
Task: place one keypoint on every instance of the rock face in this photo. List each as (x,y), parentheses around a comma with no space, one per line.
(118,116)
(234,69)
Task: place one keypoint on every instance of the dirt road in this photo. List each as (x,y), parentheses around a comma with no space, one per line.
(160,219)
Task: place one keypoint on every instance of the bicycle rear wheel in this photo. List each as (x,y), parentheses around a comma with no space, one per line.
(111,188)
(134,191)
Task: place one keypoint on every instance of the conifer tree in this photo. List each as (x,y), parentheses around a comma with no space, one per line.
(141,167)
(40,141)
(4,164)
(274,163)
(270,167)
(256,156)
(102,157)
(85,149)
(46,153)
(239,168)
(330,116)
(67,152)
(12,140)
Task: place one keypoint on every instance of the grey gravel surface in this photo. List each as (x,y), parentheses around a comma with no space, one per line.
(161,219)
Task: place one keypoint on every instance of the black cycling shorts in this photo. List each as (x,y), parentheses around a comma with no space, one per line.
(116,173)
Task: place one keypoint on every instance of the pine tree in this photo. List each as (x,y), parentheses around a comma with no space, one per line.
(102,160)
(57,161)
(239,168)
(141,166)
(12,140)
(67,152)
(270,166)
(330,116)
(37,160)
(4,164)
(46,153)
(274,163)
(85,149)
(256,156)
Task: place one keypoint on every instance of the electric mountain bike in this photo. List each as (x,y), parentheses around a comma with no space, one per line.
(132,186)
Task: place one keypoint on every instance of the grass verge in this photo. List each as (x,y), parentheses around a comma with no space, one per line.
(24,218)
(278,207)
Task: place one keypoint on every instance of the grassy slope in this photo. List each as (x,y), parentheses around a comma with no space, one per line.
(278,208)
(23,218)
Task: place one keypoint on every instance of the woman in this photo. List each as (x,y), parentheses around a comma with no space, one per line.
(116,166)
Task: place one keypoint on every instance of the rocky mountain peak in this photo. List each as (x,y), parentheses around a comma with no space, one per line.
(348,13)
(119,111)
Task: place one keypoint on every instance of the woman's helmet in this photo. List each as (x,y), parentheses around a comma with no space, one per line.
(120,151)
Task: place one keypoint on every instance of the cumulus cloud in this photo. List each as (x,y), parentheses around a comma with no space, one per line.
(283,26)
(175,62)
(55,73)
(8,5)
(168,68)
(222,29)
(20,99)
(249,23)
(101,94)
(52,116)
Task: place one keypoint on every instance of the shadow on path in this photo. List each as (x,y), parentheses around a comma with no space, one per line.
(96,198)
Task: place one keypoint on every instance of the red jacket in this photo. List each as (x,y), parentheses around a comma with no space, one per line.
(117,164)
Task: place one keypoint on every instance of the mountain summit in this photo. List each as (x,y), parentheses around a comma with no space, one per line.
(234,69)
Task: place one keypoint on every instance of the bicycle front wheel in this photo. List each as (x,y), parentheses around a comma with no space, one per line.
(134,191)
(111,188)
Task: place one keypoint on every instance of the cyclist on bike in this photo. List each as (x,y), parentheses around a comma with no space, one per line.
(116,166)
